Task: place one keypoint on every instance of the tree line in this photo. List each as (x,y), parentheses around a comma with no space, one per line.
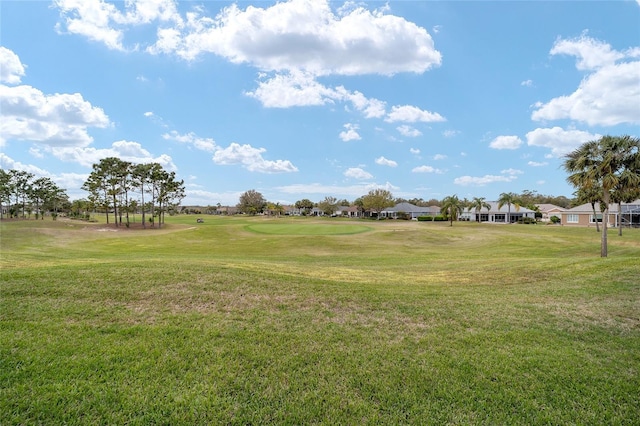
(121,188)
(22,194)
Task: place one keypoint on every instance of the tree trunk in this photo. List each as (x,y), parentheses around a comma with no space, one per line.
(605,219)
(595,216)
(619,218)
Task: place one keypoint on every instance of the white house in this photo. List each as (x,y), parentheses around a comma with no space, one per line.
(497,215)
(409,211)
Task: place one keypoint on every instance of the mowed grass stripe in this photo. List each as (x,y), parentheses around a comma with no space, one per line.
(307,229)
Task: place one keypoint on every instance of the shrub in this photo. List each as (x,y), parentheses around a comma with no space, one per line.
(527,220)
(555,219)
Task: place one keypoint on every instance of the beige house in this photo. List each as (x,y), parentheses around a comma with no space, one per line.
(629,215)
(549,210)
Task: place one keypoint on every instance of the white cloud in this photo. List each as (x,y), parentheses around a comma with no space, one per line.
(251,159)
(385,162)
(57,120)
(412,114)
(537,164)
(296,89)
(608,96)
(305,35)
(125,150)
(560,141)
(335,190)
(8,163)
(450,133)
(591,54)
(357,173)
(203,144)
(11,69)
(426,169)
(105,23)
(351,134)
(414,151)
(148,114)
(439,157)
(527,83)
(292,89)
(408,131)
(506,142)
(511,172)
(482,180)
(507,175)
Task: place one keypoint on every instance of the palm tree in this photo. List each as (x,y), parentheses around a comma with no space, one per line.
(508,198)
(451,206)
(611,163)
(478,203)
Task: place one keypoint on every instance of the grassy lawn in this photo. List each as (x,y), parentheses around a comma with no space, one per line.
(250,320)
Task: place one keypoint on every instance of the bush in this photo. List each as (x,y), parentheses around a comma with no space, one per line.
(555,219)
(432,218)
(527,220)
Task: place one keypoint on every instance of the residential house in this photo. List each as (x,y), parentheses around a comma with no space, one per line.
(409,211)
(348,211)
(583,215)
(550,210)
(497,215)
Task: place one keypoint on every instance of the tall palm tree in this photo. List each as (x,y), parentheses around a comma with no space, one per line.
(508,198)
(478,203)
(452,207)
(611,163)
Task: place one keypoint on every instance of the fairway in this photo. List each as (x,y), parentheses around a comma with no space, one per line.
(308,229)
(255,320)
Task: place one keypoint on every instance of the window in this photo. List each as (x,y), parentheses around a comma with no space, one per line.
(572,218)
(500,217)
(592,218)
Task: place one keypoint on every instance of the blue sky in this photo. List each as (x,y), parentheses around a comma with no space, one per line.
(307,98)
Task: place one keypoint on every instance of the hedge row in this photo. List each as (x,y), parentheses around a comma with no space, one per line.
(432,218)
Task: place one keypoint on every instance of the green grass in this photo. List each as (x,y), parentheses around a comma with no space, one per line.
(249,320)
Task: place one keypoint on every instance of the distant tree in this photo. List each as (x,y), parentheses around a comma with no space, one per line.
(359,203)
(251,202)
(305,206)
(451,207)
(21,185)
(328,206)
(377,200)
(5,190)
(141,179)
(509,198)
(478,203)
(42,189)
(275,209)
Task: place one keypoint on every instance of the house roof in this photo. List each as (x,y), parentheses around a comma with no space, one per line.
(494,209)
(550,207)
(411,208)
(613,207)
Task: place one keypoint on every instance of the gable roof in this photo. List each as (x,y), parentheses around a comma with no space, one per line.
(494,209)
(550,207)
(412,208)
(613,207)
